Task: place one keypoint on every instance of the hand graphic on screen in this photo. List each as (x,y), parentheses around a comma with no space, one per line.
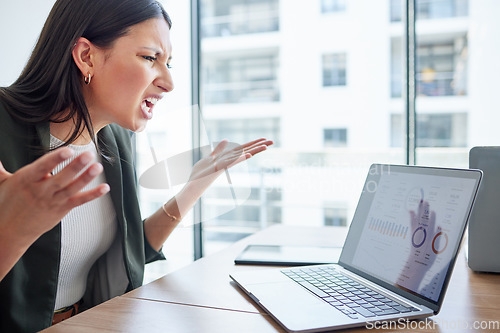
(423,241)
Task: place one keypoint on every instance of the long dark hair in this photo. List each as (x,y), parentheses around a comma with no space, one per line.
(51,82)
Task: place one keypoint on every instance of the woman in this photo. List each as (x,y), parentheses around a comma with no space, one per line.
(71,235)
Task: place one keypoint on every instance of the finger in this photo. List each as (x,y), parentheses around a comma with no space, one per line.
(432,220)
(253,147)
(79,183)
(421,209)
(254,142)
(241,155)
(249,145)
(413,220)
(220,147)
(39,169)
(83,197)
(255,150)
(67,175)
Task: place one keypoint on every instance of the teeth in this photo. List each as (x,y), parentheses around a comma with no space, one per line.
(144,107)
(152,100)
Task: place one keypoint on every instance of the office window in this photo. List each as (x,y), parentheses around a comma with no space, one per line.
(334,69)
(456,97)
(170,133)
(335,137)
(434,130)
(333,6)
(221,18)
(272,86)
(241,78)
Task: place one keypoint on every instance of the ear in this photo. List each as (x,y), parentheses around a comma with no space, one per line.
(83,56)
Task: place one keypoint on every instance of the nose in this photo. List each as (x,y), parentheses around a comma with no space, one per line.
(165,81)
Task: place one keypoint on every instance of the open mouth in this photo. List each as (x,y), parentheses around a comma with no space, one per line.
(147,106)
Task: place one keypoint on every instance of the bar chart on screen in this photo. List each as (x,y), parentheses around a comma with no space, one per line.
(388,228)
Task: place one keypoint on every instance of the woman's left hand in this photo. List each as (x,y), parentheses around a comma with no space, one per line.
(161,224)
(206,170)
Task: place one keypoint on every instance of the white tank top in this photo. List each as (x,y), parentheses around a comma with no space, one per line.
(87,233)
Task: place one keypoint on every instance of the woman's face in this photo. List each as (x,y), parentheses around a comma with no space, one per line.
(131,77)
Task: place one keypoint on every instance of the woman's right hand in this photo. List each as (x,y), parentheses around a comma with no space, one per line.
(33,201)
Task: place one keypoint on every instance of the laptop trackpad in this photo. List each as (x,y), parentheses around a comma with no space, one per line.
(296,307)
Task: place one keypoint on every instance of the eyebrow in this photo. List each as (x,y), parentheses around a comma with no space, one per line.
(157,51)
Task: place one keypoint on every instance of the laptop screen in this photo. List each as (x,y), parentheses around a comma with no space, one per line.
(408,226)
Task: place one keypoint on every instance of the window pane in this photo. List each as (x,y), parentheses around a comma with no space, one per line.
(169,134)
(434,130)
(334,69)
(441,66)
(241,78)
(236,17)
(431,9)
(324,98)
(457,68)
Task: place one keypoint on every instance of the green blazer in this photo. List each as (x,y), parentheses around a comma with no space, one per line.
(28,292)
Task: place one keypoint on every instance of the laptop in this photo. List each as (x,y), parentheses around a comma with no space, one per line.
(396,261)
(484,224)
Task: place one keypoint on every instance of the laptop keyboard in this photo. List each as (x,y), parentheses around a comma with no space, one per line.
(347,295)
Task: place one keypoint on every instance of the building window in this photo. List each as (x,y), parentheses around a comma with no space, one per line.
(333,6)
(335,216)
(435,9)
(396,10)
(335,137)
(431,9)
(222,18)
(433,130)
(241,79)
(441,68)
(334,69)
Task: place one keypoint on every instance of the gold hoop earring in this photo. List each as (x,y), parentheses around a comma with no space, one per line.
(87,79)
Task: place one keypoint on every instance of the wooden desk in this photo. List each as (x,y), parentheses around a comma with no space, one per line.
(202,298)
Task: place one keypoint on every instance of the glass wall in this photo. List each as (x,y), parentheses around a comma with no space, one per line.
(456,107)
(326,83)
(318,80)
(456,104)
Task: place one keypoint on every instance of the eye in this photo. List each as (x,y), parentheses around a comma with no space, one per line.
(169,66)
(149,58)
